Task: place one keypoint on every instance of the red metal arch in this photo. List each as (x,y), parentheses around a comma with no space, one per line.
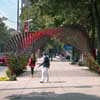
(70,34)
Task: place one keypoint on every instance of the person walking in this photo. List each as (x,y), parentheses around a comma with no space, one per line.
(31,63)
(46,65)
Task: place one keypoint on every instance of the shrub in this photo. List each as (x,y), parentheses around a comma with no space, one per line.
(22,60)
(13,65)
(13,78)
(93,65)
(10,76)
(17,64)
(8,73)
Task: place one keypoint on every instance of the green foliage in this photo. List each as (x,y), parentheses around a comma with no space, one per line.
(17,64)
(8,73)
(3,34)
(14,66)
(54,13)
(22,60)
(10,76)
(54,44)
(93,65)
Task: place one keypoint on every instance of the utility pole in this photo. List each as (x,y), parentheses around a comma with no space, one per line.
(17,15)
(21,6)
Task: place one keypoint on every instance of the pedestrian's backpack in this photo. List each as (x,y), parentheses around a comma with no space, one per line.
(46,62)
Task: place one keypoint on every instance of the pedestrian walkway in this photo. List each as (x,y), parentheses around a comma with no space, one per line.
(67,82)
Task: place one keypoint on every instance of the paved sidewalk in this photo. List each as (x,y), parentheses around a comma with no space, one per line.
(67,82)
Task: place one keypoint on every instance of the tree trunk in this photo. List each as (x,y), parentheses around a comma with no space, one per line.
(97,19)
(92,24)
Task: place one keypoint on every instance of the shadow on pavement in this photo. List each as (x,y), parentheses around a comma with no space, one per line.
(28,74)
(53,96)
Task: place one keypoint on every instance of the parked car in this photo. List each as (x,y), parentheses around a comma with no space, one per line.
(3,60)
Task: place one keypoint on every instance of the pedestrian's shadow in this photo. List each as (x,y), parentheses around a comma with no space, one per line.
(25,73)
(52,96)
(28,74)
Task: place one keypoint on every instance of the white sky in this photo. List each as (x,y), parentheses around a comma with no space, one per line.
(8,8)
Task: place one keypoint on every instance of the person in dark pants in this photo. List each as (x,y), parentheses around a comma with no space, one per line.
(46,65)
(31,63)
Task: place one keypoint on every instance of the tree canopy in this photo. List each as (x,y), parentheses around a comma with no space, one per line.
(3,35)
(54,13)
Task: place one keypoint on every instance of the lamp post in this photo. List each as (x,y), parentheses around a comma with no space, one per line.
(17,15)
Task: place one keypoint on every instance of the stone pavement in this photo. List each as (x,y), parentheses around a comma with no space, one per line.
(67,82)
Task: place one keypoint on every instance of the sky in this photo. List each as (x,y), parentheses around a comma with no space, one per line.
(8,8)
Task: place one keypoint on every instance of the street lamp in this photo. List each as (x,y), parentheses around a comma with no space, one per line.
(26,25)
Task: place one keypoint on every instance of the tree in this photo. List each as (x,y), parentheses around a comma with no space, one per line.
(54,13)
(4,36)
(95,5)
